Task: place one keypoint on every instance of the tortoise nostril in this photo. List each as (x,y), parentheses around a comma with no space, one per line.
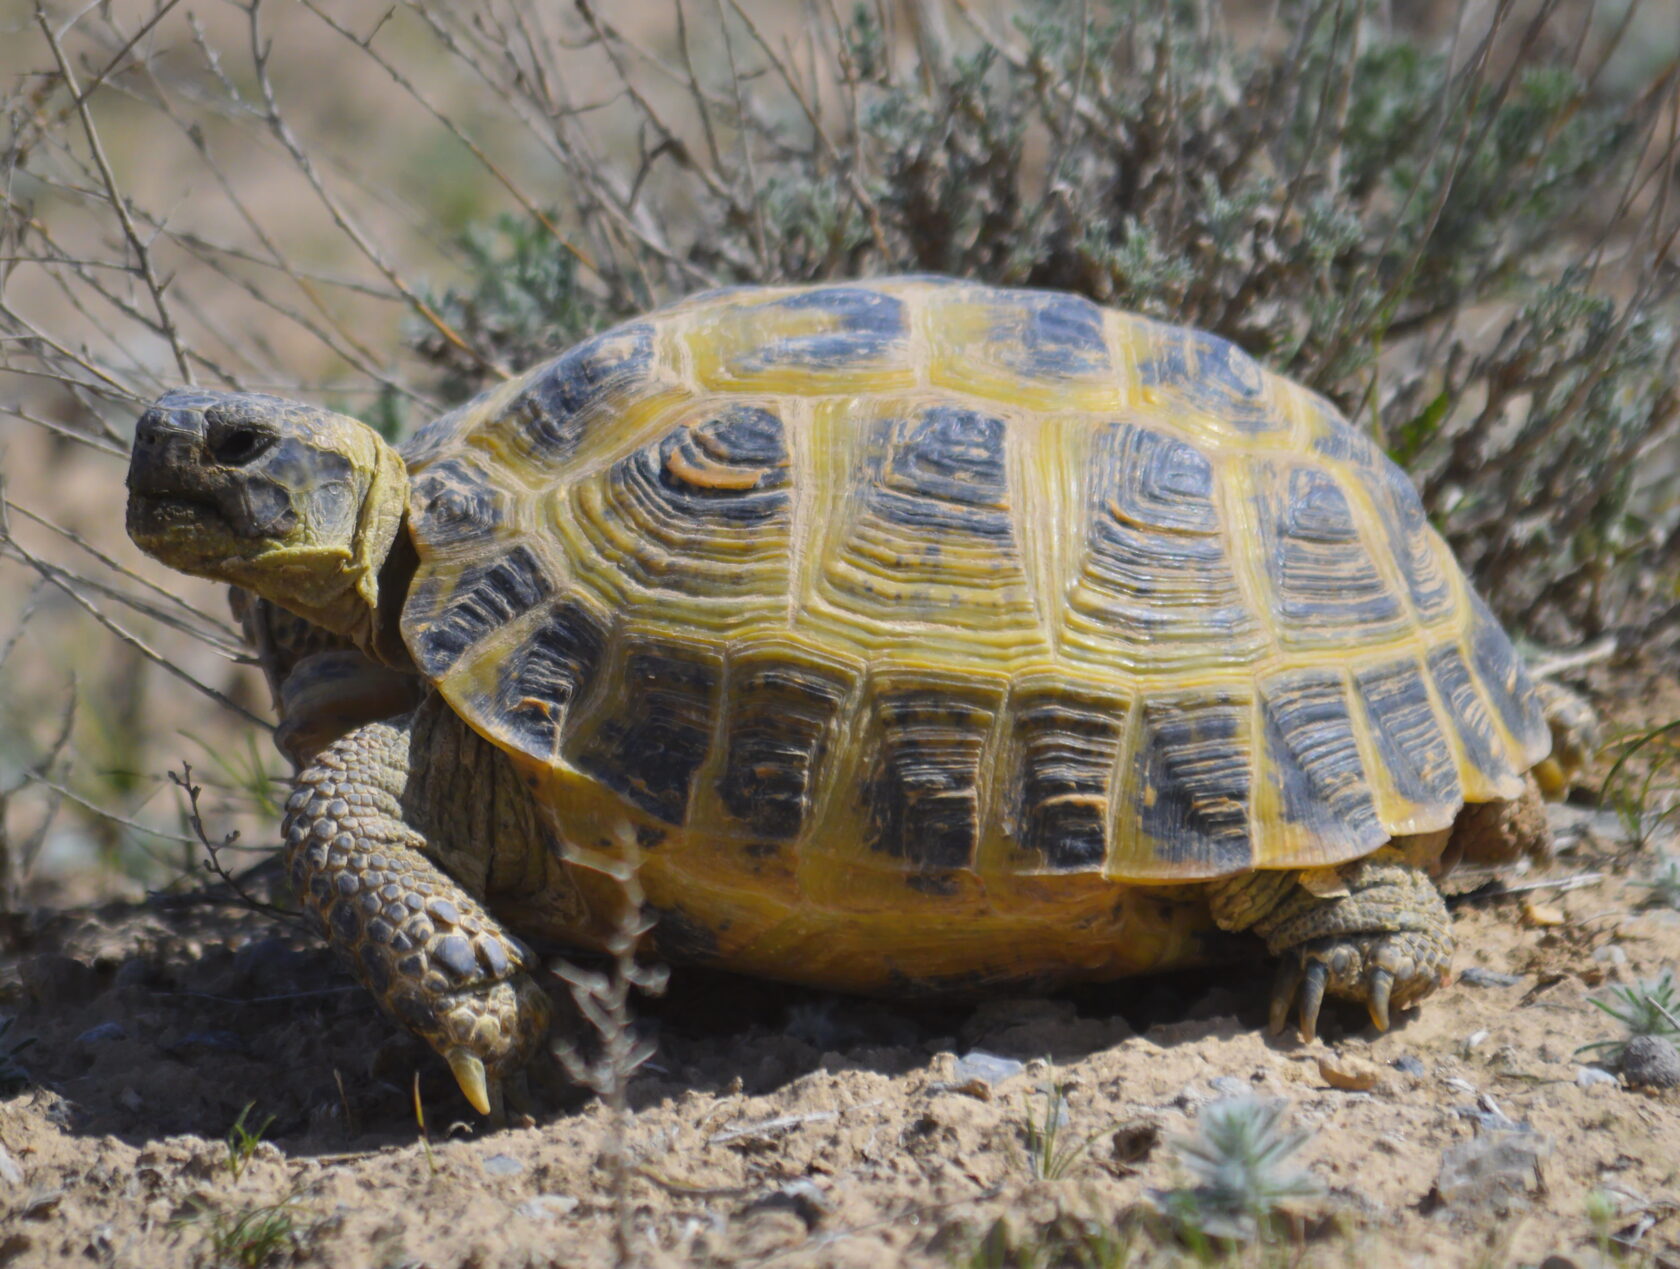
(239,445)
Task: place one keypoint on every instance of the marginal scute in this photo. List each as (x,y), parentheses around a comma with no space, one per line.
(1491,774)
(780,718)
(1066,744)
(548,420)
(1191,787)
(487,596)
(1503,678)
(1406,735)
(543,675)
(1311,766)
(922,791)
(648,741)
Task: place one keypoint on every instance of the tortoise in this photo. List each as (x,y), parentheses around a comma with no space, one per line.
(901,636)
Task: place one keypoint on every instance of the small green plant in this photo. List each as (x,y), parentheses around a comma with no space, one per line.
(251,1237)
(1663,887)
(1240,1160)
(1644,786)
(14,1078)
(243,1140)
(1053,1152)
(1068,1242)
(420,1122)
(1648,1007)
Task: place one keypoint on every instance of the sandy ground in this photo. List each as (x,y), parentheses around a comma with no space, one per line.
(795,1128)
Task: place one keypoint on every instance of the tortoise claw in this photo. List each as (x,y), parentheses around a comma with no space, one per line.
(1284,987)
(469,1074)
(1378,988)
(1317,978)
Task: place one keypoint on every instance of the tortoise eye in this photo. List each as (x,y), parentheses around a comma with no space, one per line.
(239,445)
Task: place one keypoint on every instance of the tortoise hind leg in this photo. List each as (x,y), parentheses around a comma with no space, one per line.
(1381,936)
(415,937)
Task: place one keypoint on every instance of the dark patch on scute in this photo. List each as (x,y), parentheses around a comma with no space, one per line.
(1193,795)
(937,885)
(1464,705)
(487,597)
(659,731)
(1068,748)
(780,714)
(1062,337)
(681,937)
(1409,742)
(944,472)
(1504,678)
(731,469)
(1409,534)
(540,679)
(867,325)
(556,407)
(1315,759)
(454,502)
(922,796)
(1327,585)
(1155,572)
(1210,374)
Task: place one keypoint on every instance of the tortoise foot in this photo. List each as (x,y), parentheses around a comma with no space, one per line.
(1374,930)
(425,947)
(1384,971)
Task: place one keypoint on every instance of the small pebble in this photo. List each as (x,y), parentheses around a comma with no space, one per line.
(986,1067)
(1474,1039)
(1353,1075)
(1587,1076)
(100,1034)
(1230,1086)
(1476,976)
(1490,1167)
(503,1165)
(1410,1065)
(1649,1061)
(1610,954)
(547,1207)
(1542,915)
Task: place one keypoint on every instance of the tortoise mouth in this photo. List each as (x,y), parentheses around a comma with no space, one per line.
(162,517)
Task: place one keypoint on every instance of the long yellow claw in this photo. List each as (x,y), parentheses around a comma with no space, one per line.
(469,1074)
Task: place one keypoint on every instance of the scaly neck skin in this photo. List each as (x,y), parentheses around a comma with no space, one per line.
(337,586)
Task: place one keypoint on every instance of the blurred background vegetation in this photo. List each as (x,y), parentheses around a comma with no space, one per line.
(1456,220)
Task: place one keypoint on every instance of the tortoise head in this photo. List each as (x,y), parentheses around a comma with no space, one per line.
(297,504)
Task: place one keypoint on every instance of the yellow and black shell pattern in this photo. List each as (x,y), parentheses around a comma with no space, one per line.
(924,629)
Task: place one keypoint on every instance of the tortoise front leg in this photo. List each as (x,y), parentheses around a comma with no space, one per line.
(427,950)
(1381,936)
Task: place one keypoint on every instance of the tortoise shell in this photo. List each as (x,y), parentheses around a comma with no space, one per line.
(892,609)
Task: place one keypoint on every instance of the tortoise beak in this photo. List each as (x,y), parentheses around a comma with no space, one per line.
(196,464)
